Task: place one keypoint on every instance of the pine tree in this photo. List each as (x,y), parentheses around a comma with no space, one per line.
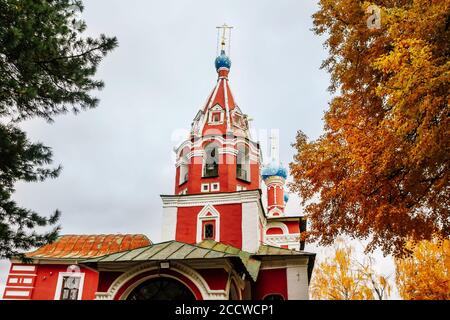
(46,68)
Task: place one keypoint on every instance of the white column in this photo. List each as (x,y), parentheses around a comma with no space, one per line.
(250,225)
(297,282)
(169,225)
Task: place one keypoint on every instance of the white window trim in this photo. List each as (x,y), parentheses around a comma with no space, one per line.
(202,189)
(216,109)
(240,188)
(59,284)
(23,268)
(235,114)
(202,216)
(215,186)
(280,225)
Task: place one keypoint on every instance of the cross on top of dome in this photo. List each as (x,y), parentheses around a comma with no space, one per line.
(223,60)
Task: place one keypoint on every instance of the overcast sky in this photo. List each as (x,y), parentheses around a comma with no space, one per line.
(117,159)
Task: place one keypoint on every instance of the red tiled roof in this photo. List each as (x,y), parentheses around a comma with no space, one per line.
(89,246)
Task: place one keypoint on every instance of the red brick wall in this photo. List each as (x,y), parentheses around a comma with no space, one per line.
(230,224)
(216,278)
(47,278)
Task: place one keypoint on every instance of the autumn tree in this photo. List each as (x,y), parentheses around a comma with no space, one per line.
(47,67)
(342,277)
(380,171)
(425,275)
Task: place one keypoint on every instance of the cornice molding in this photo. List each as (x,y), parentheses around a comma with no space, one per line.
(210,198)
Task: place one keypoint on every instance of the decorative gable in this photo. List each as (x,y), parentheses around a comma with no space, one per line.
(216,115)
(207,217)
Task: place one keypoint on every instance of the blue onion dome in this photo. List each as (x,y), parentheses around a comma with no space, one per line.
(286,197)
(274,169)
(222,61)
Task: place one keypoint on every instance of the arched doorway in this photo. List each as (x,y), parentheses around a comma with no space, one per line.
(161,289)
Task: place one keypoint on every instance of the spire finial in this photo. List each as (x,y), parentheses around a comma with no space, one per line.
(224,28)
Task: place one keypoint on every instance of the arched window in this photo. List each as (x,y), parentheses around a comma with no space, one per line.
(216,115)
(184,166)
(211,161)
(243,162)
(161,289)
(272,297)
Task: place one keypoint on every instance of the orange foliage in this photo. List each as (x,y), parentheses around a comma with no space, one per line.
(381,168)
(425,275)
(341,277)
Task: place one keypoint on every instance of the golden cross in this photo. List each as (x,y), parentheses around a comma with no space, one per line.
(224,28)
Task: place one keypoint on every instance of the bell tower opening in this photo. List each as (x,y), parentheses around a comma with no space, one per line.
(211,161)
(243,163)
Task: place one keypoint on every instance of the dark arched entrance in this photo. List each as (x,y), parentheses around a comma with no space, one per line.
(161,289)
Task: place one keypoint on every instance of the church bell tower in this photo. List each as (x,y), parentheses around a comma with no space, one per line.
(217,182)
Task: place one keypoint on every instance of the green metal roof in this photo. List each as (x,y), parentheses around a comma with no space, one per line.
(207,249)
(174,250)
(252,265)
(170,250)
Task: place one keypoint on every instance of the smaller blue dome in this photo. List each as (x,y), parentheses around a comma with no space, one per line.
(274,169)
(222,61)
(286,197)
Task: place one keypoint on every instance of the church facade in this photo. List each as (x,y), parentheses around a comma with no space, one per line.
(220,239)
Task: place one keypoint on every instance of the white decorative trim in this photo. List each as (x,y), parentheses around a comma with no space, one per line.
(59,284)
(275,180)
(16,293)
(231,151)
(200,200)
(290,240)
(227,108)
(234,115)
(23,268)
(23,274)
(275,209)
(203,189)
(213,97)
(213,199)
(202,216)
(276,224)
(283,238)
(216,109)
(197,147)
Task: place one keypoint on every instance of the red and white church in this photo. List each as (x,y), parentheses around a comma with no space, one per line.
(220,241)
